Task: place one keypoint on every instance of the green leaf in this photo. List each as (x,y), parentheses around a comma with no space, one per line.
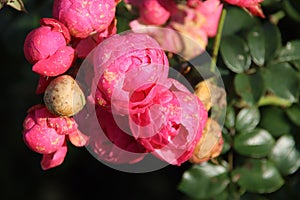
(17,4)
(242,20)
(256,143)
(247,119)
(204,181)
(282,80)
(294,114)
(258,176)
(230,117)
(256,43)
(285,155)
(272,40)
(290,52)
(235,54)
(227,141)
(274,120)
(250,87)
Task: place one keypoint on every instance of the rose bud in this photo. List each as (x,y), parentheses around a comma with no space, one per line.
(64,97)
(46,48)
(38,135)
(46,134)
(154,12)
(210,144)
(84,18)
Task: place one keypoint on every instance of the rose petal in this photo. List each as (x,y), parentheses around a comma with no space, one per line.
(56,26)
(78,139)
(42,84)
(42,43)
(54,159)
(56,64)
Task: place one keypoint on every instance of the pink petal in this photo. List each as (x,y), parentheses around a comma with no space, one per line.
(152,12)
(84,18)
(62,125)
(56,26)
(256,11)
(78,139)
(107,142)
(211,10)
(41,43)
(56,64)
(192,121)
(42,84)
(43,140)
(54,159)
(119,54)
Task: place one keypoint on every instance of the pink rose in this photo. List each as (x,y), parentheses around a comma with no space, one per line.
(119,54)
(137,104)
(211,10)
(154,12)
(107,142)
(46,48)
(166,119)
(252,6)
(84,18)
(190,22)
(46,134)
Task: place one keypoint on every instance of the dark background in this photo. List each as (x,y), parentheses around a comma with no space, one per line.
(81,176)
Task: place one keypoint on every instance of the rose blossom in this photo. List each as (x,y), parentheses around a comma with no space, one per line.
(211,10)
(46,134)
(154,12)
(157,112)
(166,119)
(46,48)
(84,17)
(119,54)
(189,22)
(107,141)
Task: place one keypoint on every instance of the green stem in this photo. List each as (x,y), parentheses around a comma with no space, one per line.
(275,18)
(274,100)
(217,41)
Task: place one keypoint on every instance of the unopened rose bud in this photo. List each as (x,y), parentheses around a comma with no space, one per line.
(210,144)
(64,97)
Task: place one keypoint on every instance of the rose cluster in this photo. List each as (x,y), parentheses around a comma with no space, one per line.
(54,50)
(196,19)
(138,108)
